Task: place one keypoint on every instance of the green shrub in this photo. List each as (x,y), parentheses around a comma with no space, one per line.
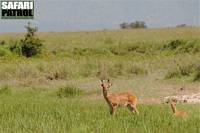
(189,46)
(181,46)
(15,47)
(30,45)
(189,70)
(2,42)
(197,74)
(69,91)
(173,45)
(133,25)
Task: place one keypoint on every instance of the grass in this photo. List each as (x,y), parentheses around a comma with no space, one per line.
(191,69)
(160,54)
(77,55)
(69,91)
(58,91)
(5,90)
(30,111)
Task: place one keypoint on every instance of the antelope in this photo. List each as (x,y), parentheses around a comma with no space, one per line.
(116,100)
(176,112)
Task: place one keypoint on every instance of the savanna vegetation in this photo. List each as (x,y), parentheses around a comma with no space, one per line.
(58,89)
(133,25)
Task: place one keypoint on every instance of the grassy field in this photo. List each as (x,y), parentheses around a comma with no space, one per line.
(152,63)
(42,111)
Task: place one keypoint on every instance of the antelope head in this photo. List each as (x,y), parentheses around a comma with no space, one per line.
(106,86)
(173,102)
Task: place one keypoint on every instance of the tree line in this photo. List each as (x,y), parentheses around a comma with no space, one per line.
(133,25)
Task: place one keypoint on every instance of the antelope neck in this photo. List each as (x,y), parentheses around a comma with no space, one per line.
(173,108)
(105,94)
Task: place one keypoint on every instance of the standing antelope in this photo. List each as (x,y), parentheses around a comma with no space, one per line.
(176,112)
(116,100)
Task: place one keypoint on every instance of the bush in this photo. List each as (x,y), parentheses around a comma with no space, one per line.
(181,46)
(69,91)
(30,45)
(2,42)
(181,25)
(138,24)
(133,25)
(197,74)
(173,45)
(15,47)
(184,70)
(191,70)
(124,25)
(189,46)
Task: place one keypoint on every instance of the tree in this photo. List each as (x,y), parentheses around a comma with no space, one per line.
(124,25)
(138,24)
(133,25)
(181,25)
(30,45)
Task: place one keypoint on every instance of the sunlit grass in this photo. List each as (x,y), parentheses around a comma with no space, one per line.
(138,60)
(33,111)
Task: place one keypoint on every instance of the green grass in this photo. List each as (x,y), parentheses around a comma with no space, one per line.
(69,91)
(33,111)
(36,93)
(78,55)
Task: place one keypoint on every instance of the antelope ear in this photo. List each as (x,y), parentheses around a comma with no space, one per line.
(174,100)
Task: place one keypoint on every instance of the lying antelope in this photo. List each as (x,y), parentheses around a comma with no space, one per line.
(116,100)
(176,112)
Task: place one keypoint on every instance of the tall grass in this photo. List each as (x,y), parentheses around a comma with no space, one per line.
(132,58)
(44,112)
(82,55)
(185,70)
(69,91)
(5,90)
